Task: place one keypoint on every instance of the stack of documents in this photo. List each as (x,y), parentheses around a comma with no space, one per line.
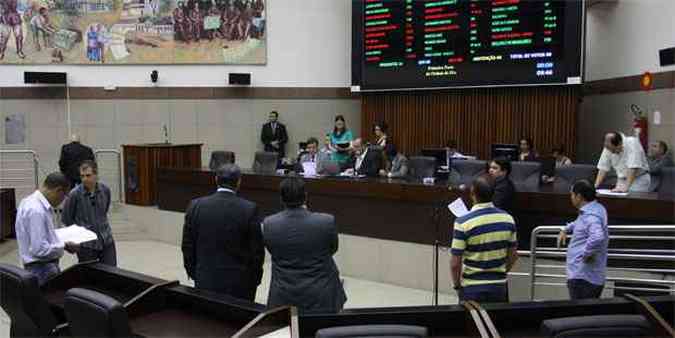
(75,234)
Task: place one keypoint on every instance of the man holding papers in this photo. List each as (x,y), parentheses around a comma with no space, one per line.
(313,159)
(87,206)
(483,247)
(39,247)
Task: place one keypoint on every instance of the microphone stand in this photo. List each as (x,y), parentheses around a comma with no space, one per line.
(436,220)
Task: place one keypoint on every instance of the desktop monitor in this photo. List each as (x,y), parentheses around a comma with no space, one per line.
(440,154)
(507,151)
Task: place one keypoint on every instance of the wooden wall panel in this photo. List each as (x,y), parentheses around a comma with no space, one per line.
(476,118)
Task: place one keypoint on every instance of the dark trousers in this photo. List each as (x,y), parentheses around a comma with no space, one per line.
(106,256)
(582,289)
(234,282)
(490,293)
(43,271)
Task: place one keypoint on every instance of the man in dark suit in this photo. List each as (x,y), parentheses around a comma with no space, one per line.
(72,155)
(364,160)
(302,244)
(222,242)
(274,135)
(505,191)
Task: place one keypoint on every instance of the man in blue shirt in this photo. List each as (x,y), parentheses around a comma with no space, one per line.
(587,252)
(39,247)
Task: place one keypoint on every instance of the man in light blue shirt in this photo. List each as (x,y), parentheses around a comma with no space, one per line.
(587,251)
(39,247)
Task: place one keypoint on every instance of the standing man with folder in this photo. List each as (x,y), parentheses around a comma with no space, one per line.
(39,247)
(87,206)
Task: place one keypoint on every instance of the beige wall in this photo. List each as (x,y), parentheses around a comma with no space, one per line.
(219,124)
(602,113)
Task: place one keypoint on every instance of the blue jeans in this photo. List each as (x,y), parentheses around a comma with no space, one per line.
(490,293)
(582,289)
(43,271)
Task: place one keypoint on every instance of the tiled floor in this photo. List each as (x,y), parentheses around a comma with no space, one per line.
(165,261)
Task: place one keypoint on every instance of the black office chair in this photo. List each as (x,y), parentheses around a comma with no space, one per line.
(565,176)
(265,162)
(597,326)
(467,170)
(374,331)
(21,299)
(526,175)
(219,157)
(93,314)
(667,184)
(420,167)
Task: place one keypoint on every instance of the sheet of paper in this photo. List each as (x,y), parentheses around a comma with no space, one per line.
(75,234)
(458,208)
(609,192)
(281,333)
(309,168)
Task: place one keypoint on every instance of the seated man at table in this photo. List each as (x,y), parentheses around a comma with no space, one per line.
(302,244)
(222,243)
(483,247)
(364,161)
(313,157)
(396,163)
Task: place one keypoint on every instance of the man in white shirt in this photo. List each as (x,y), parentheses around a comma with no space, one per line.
(625,155)
(39,247)
(364,161)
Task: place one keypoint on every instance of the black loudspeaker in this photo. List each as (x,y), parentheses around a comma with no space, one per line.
(42,77)
(667,56)
(243,79)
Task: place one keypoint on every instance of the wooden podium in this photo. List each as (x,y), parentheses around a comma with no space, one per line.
(141,163)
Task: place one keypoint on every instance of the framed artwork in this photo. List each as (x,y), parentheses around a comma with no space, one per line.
(133,32)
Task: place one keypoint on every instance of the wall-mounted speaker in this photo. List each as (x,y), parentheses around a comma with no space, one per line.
(667,56)
(43,77)
(242,79)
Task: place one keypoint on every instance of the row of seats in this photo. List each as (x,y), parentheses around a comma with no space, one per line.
(527,175)
(89,313)
(93,314)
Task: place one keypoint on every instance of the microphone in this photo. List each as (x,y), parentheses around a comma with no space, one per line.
(166,134)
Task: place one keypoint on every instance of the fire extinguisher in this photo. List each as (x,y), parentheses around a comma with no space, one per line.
(640,125)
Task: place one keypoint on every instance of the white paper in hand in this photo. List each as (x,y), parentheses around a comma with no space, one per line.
(309,168)
(458,208)
(75,234)
(609,192)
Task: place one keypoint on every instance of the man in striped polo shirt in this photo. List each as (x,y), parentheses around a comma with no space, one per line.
(483,247)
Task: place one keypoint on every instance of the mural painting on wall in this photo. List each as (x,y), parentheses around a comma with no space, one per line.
(133,32)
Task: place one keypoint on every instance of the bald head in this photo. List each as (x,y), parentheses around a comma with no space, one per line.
(614,142)
(483,189)
(357,145)
(75,138)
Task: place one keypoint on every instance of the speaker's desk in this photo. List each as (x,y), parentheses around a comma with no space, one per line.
(400,210)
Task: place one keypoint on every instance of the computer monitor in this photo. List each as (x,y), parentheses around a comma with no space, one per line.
(507,151)
(440,154)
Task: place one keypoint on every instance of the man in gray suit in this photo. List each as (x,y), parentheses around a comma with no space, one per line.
(313,155)
(302,244)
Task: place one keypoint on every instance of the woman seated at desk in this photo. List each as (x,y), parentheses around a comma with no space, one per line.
(560,161)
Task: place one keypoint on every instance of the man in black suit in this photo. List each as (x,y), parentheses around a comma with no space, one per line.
(302,244)
(274,135)
(364,160)
(222,241)
(505,190)
(72,155)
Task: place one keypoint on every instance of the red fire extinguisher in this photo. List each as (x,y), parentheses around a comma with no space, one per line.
(640,125)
